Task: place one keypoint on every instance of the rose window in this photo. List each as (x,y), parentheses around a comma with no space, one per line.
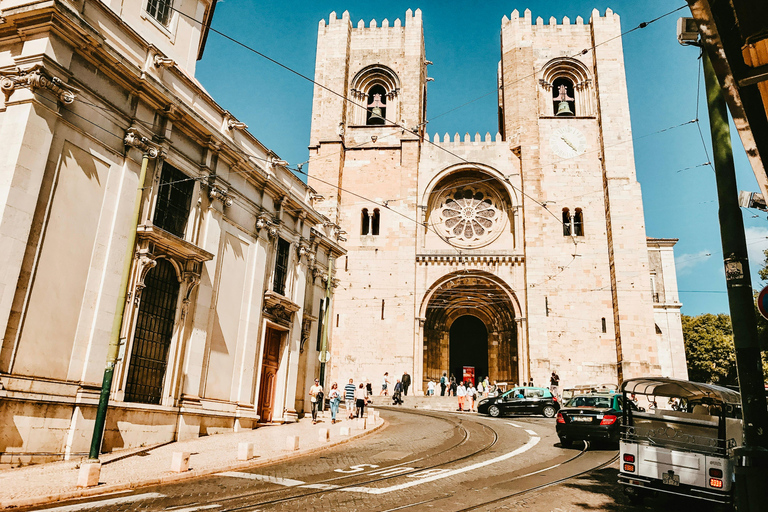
(469,216)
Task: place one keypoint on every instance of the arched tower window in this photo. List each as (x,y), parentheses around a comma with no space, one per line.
(376,106)
(578,222)
(563,100)
(365,222)
(375,222)
(566,88)
(566,222)
(375,92)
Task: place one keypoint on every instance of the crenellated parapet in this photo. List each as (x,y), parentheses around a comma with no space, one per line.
(468,140)
(527,19)
(412,19)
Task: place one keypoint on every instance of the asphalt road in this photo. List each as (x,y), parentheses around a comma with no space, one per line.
(422,461)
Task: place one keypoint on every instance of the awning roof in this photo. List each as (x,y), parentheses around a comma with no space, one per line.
(662,386)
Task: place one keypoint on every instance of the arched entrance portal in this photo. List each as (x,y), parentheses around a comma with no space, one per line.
(468,346)
(470,319)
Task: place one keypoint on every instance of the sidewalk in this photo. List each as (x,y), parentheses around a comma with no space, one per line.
(56,481)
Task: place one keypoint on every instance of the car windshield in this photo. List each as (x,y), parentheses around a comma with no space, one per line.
(590,401)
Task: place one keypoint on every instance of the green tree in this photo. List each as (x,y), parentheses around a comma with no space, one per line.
(709,349)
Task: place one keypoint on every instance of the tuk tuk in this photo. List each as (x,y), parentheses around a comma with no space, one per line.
(584,389)
(686,449)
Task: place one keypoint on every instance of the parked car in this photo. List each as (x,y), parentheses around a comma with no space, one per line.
(590,417)
(521,400)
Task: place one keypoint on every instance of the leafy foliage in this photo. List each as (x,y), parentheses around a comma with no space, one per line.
(709,349)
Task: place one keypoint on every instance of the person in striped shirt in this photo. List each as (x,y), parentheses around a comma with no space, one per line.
(349,398)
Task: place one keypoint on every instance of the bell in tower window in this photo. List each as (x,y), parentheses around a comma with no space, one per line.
(562,97)
(377,109)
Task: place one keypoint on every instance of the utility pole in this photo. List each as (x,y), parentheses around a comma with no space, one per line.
(150,152)
(752,457)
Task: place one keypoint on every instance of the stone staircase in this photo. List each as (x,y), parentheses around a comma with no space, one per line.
(434,403)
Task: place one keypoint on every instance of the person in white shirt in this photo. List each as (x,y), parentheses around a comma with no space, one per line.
(316,398)
(360,397)
(471,396)
(461,393)
(430,388)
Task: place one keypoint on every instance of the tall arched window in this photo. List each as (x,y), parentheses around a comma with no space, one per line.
(375,93)
(365,222)
(563,101)
(566,88)
(375,222)
(376,106)
(578,222)
(566,222)
(154,332)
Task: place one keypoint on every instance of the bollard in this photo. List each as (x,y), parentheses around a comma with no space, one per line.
(323,435)
(292,443)
(244,451)
(89,474)
(344,431)
(361,423)
(180,462)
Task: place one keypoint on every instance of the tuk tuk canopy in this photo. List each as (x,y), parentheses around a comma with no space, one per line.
(663,386)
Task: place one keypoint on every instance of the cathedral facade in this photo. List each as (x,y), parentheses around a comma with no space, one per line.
(514,254)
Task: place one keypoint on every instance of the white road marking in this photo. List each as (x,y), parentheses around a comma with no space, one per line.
(104,503)
(391,471)
(383,490)
(287,482)
(428,472)
(194,508)
(531,432)
(514,424)
(322,487)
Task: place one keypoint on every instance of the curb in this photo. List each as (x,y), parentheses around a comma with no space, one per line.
(177,477)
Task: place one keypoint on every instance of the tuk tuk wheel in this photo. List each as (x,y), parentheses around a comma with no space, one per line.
(494,411)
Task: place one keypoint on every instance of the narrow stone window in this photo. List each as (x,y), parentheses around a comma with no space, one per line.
(563,100)
(578,222)
(281,266)
(375,222)
(605,326)
(174,197)
(160,10)
(337,319)
(346,263)
(377,107)
(382,309)
(365,222)
(566,222)
(320,318)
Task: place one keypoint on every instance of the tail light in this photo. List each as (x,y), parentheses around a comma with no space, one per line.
(560,418)
(608,419)
(629,468)
(628,457)
(717,473)
(714,482)
(554,398)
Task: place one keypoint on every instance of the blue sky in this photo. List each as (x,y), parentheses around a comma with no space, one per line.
(463,42)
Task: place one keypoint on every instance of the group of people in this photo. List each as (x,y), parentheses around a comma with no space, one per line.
(355,399)
(401,387)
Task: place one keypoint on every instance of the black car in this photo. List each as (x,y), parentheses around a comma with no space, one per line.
(590,417)
(520,401)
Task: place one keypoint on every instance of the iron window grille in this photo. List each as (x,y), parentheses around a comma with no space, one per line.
(154,331)
(174,197)
(160,10)
(281,266)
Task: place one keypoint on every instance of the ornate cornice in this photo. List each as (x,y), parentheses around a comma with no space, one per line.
(471,260)
(36,77)
(135,140)
(222,195)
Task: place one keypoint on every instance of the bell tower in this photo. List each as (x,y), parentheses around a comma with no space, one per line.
(365,145)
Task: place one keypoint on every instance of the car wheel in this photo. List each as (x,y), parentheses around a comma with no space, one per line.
(565,443)
(494,411)
(548,411)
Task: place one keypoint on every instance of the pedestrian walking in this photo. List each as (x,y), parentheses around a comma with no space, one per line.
(461,393)
(443,384)
(486,386)
(530,383)
(431,388)
(453,387)
(554,383)
(349,398)
(369,387)
(384,384)
(334,395)
(316,399)
(471,397)
(406,381)
(397,395)
(360,397)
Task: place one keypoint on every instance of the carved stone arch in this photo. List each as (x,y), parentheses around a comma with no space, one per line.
(577,74)
(469,205)
(374,76)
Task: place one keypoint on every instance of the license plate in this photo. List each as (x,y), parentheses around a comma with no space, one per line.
(586,419)
(668,479)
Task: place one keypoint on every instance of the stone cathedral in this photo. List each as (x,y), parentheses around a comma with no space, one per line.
(514,254)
